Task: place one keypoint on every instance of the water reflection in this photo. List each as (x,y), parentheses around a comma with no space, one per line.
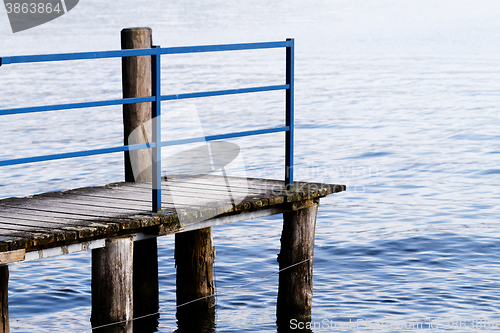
(195,321)
(147,324)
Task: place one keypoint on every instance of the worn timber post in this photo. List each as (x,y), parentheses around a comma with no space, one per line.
(4,298)
(194,259)
(124,274)
(146,289)
(295,289)
(112,291)
(136,82)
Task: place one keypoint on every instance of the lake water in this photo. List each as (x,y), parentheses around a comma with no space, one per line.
(399,100)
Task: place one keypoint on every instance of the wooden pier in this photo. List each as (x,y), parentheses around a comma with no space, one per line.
(59,220)
(59,223)
(120,222)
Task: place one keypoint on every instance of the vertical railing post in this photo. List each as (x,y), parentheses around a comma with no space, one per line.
(156,117)
(289,115)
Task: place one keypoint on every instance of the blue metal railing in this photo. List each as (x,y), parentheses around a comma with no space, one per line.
(155,52)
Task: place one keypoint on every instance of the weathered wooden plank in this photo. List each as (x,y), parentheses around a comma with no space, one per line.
(45,217)
(302,191)
(204,188)
(74,229)
(14,242)
(168,202)
(43,213)
(267,185)
(121,193)
(244,186)
(118,209)
(12,256)
(56,206)
(253,183)
(91,227)
(26,239)
(42,222)
(108,202)
(144,191)
(192,192)
(79,202)
(64,233)
(195,199)
(109,194)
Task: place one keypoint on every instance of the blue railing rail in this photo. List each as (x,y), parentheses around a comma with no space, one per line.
(156,52)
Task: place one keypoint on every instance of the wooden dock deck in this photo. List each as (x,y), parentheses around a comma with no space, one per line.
(85,215)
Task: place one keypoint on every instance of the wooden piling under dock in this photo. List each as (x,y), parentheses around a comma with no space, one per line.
(295,289)
(112,286)
(194,259)
(136,82)
(4,298)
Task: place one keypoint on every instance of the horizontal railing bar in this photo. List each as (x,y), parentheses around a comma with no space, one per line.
(223,92)
(224,47)
(225,136)
(76,154)
(141,146)
(59,107)
(139,52)
(75,56)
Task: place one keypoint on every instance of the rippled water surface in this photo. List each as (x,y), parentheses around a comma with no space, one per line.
(399,100)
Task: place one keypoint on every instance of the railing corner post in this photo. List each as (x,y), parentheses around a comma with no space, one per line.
(156,117)
(289,114)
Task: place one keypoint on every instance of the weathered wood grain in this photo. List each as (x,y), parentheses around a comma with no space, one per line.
(119,209)
(12,256)
(112,285)
(295,289)
(194,259)
(4,299)
(136,82)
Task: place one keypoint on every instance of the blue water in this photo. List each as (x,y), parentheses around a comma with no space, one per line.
(398,100)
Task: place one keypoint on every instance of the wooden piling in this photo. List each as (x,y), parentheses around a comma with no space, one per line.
(146,291)
(112,286)
(295,291)
(194,259)
(136,82)
(4,298)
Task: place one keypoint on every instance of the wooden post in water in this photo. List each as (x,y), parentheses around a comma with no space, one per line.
(136,82)
(124,274)
(112,292)
(295,291)
(194,259)
(4,298)
(146,289)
